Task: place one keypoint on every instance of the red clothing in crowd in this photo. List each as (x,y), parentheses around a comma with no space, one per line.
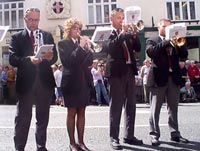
(193,73)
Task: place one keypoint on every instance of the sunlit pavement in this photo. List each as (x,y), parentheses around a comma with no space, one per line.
(97,129)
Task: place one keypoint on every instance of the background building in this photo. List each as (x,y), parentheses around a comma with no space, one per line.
(95,13)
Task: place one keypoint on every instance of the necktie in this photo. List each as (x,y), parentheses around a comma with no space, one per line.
(125,50)
(169,59)
(76,43)
(32,39)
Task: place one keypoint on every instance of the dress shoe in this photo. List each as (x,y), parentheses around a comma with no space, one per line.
(115,145)
(133,141)
(155,142)
(73,148)
(82,147)
(179,139)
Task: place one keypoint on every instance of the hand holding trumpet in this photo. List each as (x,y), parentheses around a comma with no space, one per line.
(88,44)
(84,42)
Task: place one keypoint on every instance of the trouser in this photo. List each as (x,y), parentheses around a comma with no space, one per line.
(122,94)
(158,95)
(42,99)
(100,87)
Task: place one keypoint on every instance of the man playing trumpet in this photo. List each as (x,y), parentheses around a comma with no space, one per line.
(165,85)
(121,70)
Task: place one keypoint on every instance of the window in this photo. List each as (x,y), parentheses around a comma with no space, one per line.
(181,9)
(98,11)
(12,13)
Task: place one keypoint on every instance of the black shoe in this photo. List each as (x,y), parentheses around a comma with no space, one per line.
(115,145)
(155,142)
(133,141)
(179,139)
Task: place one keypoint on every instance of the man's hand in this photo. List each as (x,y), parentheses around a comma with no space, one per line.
(35,60)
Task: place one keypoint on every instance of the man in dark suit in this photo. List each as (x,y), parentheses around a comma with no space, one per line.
(121,70)
(35,81)
(166,75)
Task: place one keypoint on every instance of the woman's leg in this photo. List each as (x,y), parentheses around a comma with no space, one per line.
(71,116)
(81,126)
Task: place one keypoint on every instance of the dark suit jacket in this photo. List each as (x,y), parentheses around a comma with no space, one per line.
(20,50)
(116,63)
(75,63)
(156,50)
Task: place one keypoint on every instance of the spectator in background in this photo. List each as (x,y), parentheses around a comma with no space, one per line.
(4,83)
(10,77)
(184,73)
(187,63)
(188,93)
(58,78)
(193,73)
(54,67)
(144,71)
(99,82)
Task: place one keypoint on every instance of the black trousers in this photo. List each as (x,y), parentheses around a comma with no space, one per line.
(122,95)
(41,97)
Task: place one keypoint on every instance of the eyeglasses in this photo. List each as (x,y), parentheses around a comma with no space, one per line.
(76,28)
(32,20)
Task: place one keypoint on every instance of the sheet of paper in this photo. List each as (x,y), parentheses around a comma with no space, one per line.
(101,34)
(175,31)
(3,30)
(43,49)
(132,14)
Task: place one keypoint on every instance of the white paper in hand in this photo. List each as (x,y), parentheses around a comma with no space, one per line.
(3,30)
(43,50)
(175,31)
(101,34)
(132,14)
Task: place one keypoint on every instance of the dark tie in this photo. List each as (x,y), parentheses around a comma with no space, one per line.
(125,50)
(76,43)
(32,39)
(169,56)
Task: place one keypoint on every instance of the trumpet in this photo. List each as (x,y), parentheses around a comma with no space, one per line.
(139,26)
(94,47)
(178,41)
(38,40)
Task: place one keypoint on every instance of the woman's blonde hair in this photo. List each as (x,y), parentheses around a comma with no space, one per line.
(68,25)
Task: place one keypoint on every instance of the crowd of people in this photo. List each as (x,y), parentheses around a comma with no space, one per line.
(72,81)
(8,77)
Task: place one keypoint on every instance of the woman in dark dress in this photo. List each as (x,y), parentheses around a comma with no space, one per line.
(76,83)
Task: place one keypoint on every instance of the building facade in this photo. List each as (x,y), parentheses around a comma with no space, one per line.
(95,13)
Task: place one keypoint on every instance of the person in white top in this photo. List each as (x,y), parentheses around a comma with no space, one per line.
(144,74)
(99,83)
(58,78)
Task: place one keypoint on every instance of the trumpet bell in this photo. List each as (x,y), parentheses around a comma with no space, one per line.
(140,25)
(97,47)
(180,41)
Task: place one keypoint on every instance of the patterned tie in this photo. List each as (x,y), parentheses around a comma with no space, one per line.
(32,39)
